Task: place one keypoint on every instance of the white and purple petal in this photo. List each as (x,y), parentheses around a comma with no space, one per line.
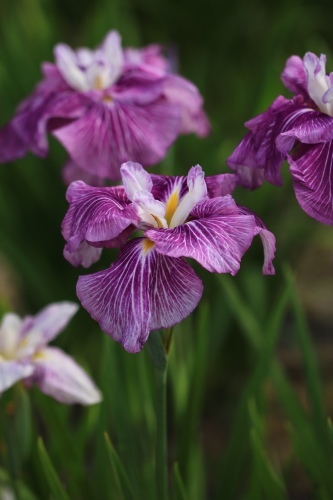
(12,371)
(141,291)
(109,135)
(39,330)
(135,178)
(311,167)
(60,377)
(217,238)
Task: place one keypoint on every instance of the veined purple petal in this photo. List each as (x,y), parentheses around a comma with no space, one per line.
(108,136)
(217,239)
(311,167)
(95,214)
(308,126)
(180,91)
(164,186)
(294,76)
(59,376)
(13,371)
(140,292)
(268,241)
(149,58)
(221,184)
(258,149)
(39,330)
(85,255)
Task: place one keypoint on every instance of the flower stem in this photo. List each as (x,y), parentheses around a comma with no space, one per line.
(161,434)
(158,345)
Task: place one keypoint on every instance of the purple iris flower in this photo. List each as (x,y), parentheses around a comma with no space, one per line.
(25,355)
(299,130)
(106,106)
(151,285)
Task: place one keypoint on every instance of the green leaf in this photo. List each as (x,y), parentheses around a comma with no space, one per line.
(179,492)
(121,478)
(50,474)
(156,350)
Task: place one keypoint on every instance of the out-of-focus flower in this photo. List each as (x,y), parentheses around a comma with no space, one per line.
(106,106)
(299,130)
(150,285)
(25,355)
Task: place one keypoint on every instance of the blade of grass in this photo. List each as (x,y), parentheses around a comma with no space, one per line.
(121,478)
(50,474)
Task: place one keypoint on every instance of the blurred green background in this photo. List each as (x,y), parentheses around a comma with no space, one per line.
(246,418)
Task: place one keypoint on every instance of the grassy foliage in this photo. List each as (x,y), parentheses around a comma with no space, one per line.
(240,424)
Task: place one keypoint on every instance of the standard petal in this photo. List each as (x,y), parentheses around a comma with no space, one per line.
(13,371)
(140,292)
(59,376)
(39,330)
(311,167)
(294,76)
(95,214)
(135,178)
(109,135)
(217,239)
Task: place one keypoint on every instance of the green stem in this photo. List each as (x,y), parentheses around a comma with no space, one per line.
(161,434)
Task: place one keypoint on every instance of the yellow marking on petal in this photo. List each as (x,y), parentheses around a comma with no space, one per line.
(171,205)
(98,83)
(147,245)
(107,98)
(39,355)
(159,222)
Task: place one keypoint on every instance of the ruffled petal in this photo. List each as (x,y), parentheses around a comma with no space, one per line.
(60,377)
(180,91)
(311,167)
(109,135)
(135,178)
(268,241)
(39,330)
(95,215)
(13,371)
(258,149)
(85,255)
(294,76)
(221,184)
(309,127)
(217,239)
(141,291)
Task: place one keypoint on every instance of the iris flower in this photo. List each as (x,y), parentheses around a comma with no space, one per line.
(25,355)
(151,285)
(299,130)
(106,106)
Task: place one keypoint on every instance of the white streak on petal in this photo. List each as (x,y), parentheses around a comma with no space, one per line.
(37,331)
(9,334)
(317,81)
(67,64)
(197,191)
(150,211)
